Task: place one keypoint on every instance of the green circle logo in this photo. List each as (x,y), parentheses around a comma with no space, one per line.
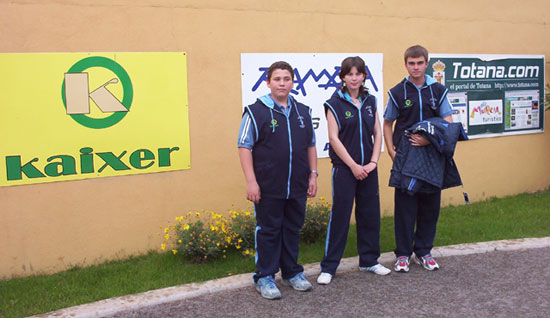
(77,92)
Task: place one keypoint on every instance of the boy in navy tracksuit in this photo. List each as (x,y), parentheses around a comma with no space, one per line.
(416,98)
(279,160)
(355,141)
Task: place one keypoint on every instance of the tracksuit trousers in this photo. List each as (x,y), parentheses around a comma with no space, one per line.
(278,224)
(422,210)
(346,189)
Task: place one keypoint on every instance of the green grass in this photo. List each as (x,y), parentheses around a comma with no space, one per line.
(524,215)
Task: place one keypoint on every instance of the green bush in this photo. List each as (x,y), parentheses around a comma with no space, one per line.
(197,240)
(243,226)
(316,221)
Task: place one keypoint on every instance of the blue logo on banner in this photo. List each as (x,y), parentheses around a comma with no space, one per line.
(331,79)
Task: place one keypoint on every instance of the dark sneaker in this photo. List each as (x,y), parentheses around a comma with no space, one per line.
(267,288)
(402,264)
(427,261)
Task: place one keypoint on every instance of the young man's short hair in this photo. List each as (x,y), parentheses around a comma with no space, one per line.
(280,65)
(416,51)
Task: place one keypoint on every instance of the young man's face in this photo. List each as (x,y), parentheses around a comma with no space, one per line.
(280,84)
(416,66)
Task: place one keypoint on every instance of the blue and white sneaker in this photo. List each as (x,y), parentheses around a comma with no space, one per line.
(267,288)
(377,269)
(298,282)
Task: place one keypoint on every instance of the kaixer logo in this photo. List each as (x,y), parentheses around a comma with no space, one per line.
(76,93)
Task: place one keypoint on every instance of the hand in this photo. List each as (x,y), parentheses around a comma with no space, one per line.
(253,192)
(312,189)
(359,172)
(369,167)
(391,152)
(418,140)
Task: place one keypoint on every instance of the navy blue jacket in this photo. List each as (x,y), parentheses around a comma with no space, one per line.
(280,152)
(355,127)
(406,98)
(428,168)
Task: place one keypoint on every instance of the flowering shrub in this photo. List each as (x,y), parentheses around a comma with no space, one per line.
(198,240)
(208,235)
(243,226)
(316,221)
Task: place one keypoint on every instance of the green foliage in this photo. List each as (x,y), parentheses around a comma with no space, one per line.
(243,226)
(197,240)
(316,222)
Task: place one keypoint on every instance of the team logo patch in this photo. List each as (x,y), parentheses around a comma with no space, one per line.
(369,110)
(348,114)
(408,103)
(273,123)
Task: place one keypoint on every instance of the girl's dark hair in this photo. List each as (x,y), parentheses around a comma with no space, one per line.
(347,64)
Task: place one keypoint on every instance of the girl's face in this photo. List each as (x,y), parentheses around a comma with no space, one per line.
(354,79)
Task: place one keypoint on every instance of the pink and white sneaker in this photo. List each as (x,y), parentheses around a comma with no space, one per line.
(402,264)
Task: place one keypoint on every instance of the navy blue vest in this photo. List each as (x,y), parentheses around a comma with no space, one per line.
(280,152)
(355,127)
(409,102)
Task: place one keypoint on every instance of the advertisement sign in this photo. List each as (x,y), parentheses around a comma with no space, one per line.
(69,116)
(315,80)
(493,95)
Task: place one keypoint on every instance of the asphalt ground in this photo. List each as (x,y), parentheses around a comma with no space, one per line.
(492,279)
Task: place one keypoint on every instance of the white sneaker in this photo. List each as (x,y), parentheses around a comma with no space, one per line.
(377,269)
(324,279)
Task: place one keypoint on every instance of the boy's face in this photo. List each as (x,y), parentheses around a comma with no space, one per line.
(280,84)
(416,66)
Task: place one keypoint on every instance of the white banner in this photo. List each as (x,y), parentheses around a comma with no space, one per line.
(315,80)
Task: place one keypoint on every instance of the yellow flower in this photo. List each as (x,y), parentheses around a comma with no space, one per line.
(165,230)
(238,247)
(218,244)
(246,252)
(323,198)
(186,227)
(189,213)
(197,214)
(240,241)
(174,252)
(247,213)
(167,236)
(163,246)
(179,241)
(228,239)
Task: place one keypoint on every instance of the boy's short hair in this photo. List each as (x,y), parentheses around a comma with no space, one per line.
(416,51)
(280,65)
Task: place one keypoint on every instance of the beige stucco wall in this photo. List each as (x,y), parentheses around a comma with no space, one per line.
(50,227)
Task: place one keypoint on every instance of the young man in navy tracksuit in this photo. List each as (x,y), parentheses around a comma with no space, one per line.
(355,141)
(415,98)
(279,160)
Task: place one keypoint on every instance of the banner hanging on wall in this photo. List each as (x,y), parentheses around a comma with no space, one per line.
(69,116)
(315,80)
(493,95)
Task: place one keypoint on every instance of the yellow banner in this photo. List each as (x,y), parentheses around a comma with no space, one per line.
(69,116)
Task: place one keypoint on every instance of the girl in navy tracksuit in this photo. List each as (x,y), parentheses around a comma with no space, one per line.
(355,139)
